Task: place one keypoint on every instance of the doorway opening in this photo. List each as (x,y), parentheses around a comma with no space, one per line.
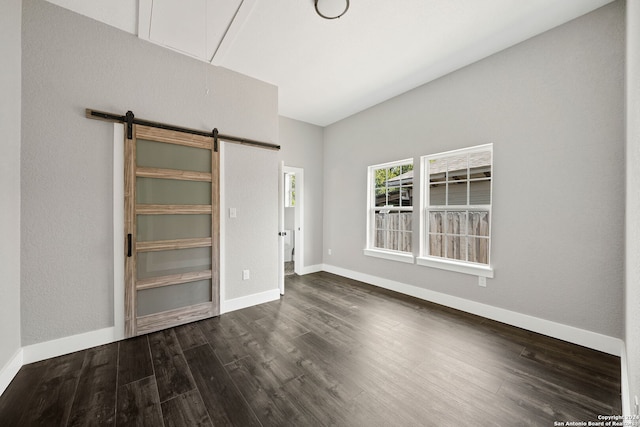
(291,223)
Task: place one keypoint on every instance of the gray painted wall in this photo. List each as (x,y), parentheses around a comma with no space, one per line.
(10,106)
(553,107)
(251,238)
(632,319)
(72,62)
(302,147)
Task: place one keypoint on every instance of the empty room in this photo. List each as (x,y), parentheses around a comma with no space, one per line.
(320,212)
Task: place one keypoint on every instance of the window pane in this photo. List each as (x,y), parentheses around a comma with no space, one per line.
(380,239)
(480,192)
(380,177)
(393,220)
(404,243)
(457,167)
(290,190)
(406,219)
(480,173)
(382,226)
(387,239)
(438,195)
(436,247)
(437,170)
(457,247)
(393,230)
(480,164)
(395,171)
(392,240)
(479,250)
(406,195)
(479,224)
(456,222)
(436,222)
(457,193)
(380,220)
(407,168)
(380,185)
(393,196)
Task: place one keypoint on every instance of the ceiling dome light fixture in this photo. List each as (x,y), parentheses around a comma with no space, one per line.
(331,9)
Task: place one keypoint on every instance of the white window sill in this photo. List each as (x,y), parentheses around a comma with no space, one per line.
(460,267)
(391,255)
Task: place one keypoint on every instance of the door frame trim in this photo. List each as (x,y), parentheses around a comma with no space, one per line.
(118,235)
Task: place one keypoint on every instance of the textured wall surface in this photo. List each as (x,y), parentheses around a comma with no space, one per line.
(10,101)
(251,239)
(553,106)
(302,147)
(632,297)
(70,63)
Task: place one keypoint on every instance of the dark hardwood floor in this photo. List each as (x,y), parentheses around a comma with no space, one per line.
(333,351)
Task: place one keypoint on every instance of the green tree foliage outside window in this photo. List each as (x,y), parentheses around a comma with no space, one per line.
(384,183)
(290,190)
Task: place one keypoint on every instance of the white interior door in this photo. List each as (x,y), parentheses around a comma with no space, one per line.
(281,228)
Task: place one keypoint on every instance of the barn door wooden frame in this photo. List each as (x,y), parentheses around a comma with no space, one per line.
(136,324)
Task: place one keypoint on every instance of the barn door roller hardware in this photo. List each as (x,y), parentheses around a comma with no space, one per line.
(130,120)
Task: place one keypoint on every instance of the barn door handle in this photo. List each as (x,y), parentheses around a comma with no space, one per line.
(129,245)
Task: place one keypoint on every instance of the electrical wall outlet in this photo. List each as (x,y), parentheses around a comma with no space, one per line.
(232,212)
(482,281)
(329,251)
(246,275)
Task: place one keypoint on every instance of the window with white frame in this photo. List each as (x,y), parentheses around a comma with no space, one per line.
(390,210)
(456,210)
(289,190)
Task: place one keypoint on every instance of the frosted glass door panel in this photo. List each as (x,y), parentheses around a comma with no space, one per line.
(151,301)
(153,154)
(164,263)
(171,227)
(172,192)
(172,196)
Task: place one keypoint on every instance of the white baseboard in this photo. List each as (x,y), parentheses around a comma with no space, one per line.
(9,371)
(249,300)
(308,269)
(624,384)
(567,333)
(66,345)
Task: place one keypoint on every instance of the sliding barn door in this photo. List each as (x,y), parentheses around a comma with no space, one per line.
(171,229)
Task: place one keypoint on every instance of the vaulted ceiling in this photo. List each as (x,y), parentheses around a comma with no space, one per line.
(327,70)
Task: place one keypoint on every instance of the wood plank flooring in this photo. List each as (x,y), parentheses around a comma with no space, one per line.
(332,351)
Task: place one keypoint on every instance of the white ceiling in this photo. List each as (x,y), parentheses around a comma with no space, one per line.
(327,70)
